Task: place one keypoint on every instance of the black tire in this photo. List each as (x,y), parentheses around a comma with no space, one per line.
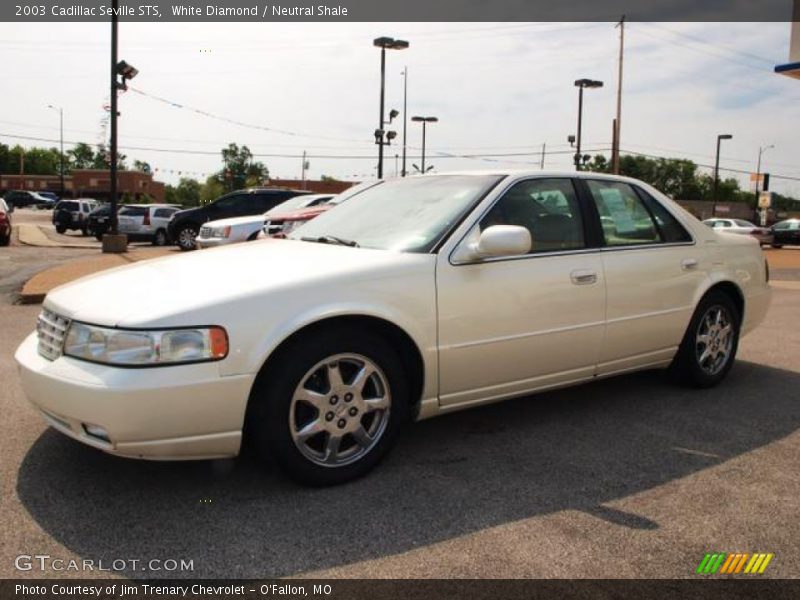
(5,240)
(686,366)
(268,418)
(98,236)
(185,238)
(84,231)
(160,238)
(777,246)
(61,229)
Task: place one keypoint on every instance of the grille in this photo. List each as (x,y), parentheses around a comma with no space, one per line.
(51,329)
(205,232)
(273,227)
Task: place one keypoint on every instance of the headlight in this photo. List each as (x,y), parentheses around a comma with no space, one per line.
(221,232)
(139,348)
(290,226)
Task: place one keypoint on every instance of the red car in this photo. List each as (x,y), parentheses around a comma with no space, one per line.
(5,224)
(281,225)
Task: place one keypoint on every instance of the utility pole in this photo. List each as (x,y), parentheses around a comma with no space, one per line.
(405,116)
(303,172)
(113,141)
(544,148)
(618,122)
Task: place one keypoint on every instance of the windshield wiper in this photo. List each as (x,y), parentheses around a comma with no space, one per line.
(331,239)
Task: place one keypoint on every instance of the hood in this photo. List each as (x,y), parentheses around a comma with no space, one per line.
(236,221)
(175,290)
(195,212)
(302,214)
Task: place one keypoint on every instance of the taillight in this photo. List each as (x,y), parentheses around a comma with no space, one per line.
(146,218)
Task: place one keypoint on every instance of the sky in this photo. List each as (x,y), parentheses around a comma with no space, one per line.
(496,88)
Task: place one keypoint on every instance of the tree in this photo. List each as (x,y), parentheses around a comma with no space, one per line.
(212,189)
(186,193)
(81,156)
(140,165)
(239,169)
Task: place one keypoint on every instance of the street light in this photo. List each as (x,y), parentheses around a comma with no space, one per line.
(720,137)
(392,44)
(61,140)
(424,121)
(581,84)
(113,242)
(758,174)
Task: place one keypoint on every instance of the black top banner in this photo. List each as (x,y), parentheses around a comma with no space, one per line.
(398,10)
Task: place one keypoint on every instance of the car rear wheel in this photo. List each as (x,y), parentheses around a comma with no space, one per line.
(160,238)
(5,240)
(778,246)
(331,407)
(186,237)
(709,346)
(60,229)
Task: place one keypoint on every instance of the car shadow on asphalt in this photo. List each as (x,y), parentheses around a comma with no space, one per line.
(570,449)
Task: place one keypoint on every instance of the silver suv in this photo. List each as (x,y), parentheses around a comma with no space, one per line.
(146,222)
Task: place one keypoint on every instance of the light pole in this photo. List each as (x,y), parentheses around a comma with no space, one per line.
(581,84)
(758,174)
(61,140)
(720,137)
(112,241)
(405,117)
(424,121)
(383,43)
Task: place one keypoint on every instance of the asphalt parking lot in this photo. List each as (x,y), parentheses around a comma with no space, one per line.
(630,477)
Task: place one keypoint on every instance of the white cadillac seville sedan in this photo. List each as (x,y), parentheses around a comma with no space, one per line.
(419,296)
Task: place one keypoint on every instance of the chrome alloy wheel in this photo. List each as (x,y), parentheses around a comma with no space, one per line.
(714,339)
(340,410)
(186,237)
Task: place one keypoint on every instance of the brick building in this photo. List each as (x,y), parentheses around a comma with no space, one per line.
(90,183)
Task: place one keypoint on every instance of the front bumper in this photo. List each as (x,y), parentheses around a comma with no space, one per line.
(159,413)
(211,242)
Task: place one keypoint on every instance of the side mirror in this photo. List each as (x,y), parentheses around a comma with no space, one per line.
(496,241)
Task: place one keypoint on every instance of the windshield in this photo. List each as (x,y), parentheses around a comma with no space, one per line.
(288,205)
(405,215)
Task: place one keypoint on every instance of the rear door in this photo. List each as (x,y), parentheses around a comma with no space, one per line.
(130,219)
(653,270)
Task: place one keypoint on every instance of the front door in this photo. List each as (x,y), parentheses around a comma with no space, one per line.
(509,326)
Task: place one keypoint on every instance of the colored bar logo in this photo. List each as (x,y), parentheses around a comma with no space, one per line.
(734,563)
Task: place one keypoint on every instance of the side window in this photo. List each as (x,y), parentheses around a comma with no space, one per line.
(548,208)
(671,230)
(162,213)
(623,216)
(229,204)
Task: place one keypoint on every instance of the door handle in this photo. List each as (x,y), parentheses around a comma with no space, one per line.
(687,264)
(583,277)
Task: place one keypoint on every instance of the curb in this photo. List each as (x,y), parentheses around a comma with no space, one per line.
(32,235)
(36,288)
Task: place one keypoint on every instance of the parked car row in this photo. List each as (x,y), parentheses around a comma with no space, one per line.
(25,199)
(245,229)
(5,223)
(185,224)
(415,297)
(780,234)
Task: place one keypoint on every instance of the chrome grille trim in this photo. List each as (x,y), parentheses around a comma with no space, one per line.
(205,232)
(273,227)
(51,330)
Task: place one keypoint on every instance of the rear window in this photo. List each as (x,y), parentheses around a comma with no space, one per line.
(133,211)
(742,223)
(68,205)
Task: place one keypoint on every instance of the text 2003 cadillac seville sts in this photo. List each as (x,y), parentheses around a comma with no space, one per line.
(417,297)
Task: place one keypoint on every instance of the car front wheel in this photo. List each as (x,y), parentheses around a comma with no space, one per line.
(186,237)
(709,346)
(160,238)
(60,229)
(331,407)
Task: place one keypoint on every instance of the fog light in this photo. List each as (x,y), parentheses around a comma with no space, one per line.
(96,431)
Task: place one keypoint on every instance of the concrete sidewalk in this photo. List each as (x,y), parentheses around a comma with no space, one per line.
(37,287)
(32,235)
